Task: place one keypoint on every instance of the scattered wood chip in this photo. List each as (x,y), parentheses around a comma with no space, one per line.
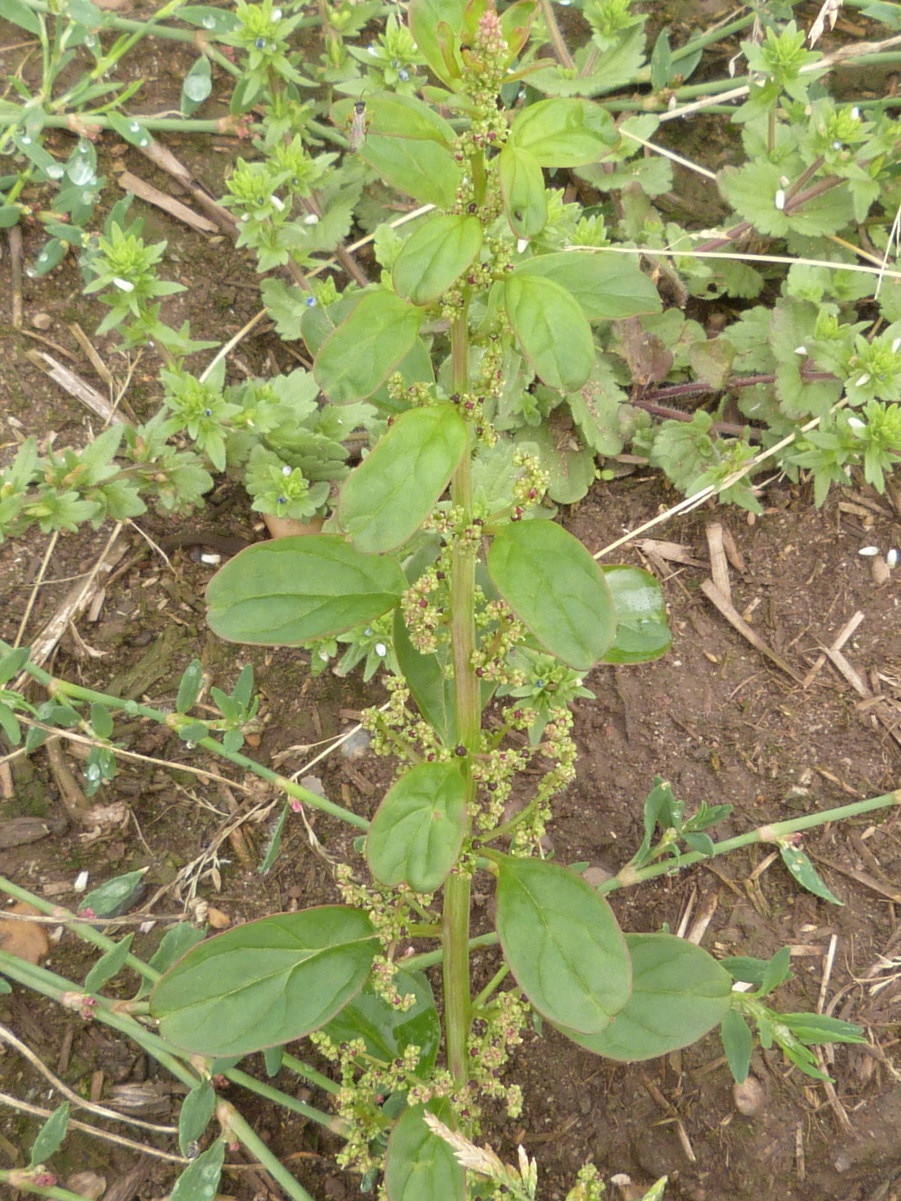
(75,386)
(719,568)
(673,552)
(147,192)
(26,940)
(733,554)
(74,603)
(841,664)
(19,831)
(735,619)
(841,638)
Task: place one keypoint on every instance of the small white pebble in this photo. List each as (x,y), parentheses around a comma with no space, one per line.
(891,559)
(81,882)
(869,552)
(748,1096)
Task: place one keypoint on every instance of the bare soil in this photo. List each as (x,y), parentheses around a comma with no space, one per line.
(715,717)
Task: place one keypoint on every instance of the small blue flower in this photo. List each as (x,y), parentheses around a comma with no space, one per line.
(260,43)
(310,302)
(207,412)
(403,74)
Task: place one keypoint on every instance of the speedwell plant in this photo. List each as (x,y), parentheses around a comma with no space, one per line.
(494,614)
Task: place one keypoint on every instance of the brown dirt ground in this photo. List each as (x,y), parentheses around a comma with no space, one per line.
(714,717)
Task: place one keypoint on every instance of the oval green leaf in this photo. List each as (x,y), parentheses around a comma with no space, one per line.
(418,829)
(561,940)
(554,586)
(366,347)
(409,145)
(292,590)
(738,1043)
(388,1031)
(435,255)
(564,132)
(609,287)
(266,982)
(642,631)
(679,992)
(551,329)
(420,1166)
(386,498)
(523,191)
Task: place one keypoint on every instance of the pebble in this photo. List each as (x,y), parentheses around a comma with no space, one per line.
(748,1096)
(42,321)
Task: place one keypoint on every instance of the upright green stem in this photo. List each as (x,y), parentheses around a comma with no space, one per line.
(468,708)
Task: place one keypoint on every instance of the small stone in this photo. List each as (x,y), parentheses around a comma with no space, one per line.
(42,321)
(87,1184)
(880,572)
(748,1096)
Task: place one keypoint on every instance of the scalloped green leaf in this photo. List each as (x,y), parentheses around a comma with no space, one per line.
(551,329)
(418,829)
(266,982)
(563,944)
(554,586)
(386,499)
(436,255)
(293,590)
(679,993)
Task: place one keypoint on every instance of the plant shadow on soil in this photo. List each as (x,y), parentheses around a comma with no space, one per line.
(713,717)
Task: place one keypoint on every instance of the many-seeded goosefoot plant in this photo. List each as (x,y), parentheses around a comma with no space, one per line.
(494,614)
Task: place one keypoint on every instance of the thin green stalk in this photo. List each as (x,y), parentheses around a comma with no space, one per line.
(299,1068)
(14,114)
(775,832)
(286,1101)
(493,984)
(468,709)
(54,1192)
(62,688)
(628,877)
(58,989)
(234,1124)
(86,930)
